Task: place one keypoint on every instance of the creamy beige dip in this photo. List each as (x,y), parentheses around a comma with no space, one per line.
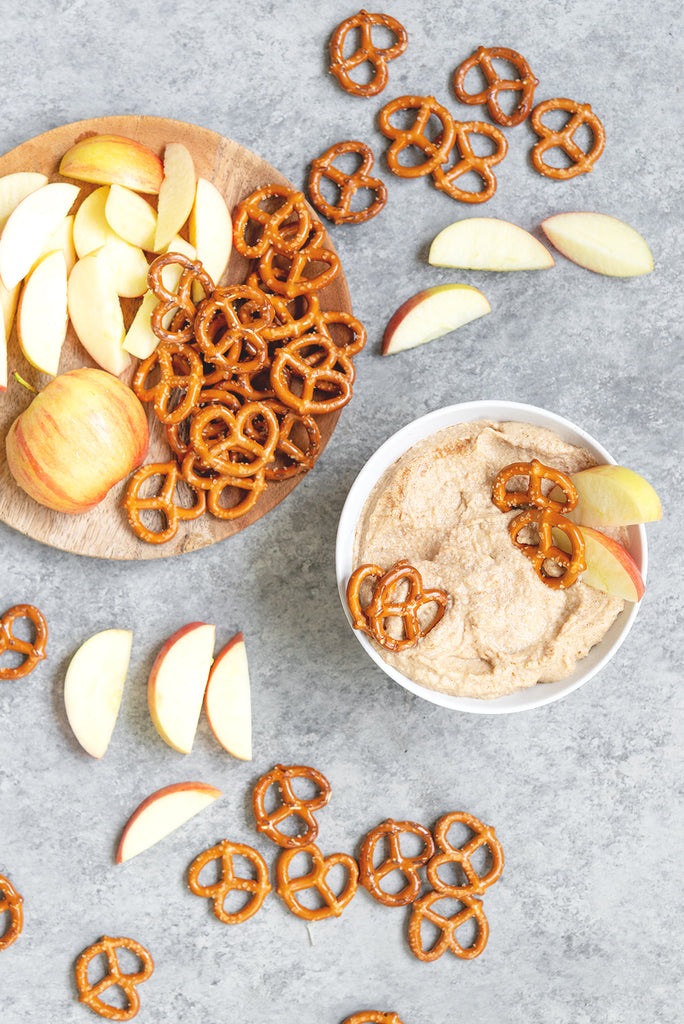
(504,630)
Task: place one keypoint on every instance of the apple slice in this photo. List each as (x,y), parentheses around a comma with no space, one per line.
(131,217)
(211,229)
(14,188)
(610,567)
(95,312)
(227,700)
(8,304)
(63,239)
(613,496)
(113,160)
(42,314)
(176,195)
(431,314)
(29,228)
(140,340)
(486,243)
(3,356)
(94,685)
(177,682)
(162,813)
(92,232)
(600,243)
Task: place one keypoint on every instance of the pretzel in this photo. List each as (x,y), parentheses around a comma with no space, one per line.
(448,926)
(533,496)
(177,305)
(373,1017)
(546,521)
(525,84)
(163,502)
(333,905)
(258,887)
(348,184)
(581,162)
(180,368)
(285,273)
(325,320)
(241,451)
(90,994)
(33,652)
(483,835)
(436,152)
(293,457)
(293,316)
(11,901)
(246,489)
(384,604)
(291,805)
(481,165)
(284,229)
(325,373)
(371,876)
(340,66)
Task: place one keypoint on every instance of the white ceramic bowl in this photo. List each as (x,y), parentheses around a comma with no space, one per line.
(386,455)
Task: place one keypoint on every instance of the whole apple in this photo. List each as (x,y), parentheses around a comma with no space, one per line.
(83,433)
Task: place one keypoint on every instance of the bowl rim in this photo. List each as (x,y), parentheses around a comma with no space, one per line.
(386,455)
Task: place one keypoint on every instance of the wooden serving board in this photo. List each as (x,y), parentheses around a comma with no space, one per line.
(104,532)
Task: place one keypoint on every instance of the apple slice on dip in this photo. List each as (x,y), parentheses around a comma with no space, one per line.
(162,813)
(486,243)
(94,685)
(431,314)
(227,700)
(613,496)
(610,567)
(177,683)
(600,243)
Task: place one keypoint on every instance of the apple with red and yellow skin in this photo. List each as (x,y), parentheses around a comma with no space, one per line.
(83,433)
(114,160)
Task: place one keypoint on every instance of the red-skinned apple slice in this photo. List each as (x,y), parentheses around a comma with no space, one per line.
(431,314)
(227,700)
(486,243)
(30,227)
(600,243)
(162,813)
(610,495)
(177,683)
(113,160)
(610,567)
(94,685)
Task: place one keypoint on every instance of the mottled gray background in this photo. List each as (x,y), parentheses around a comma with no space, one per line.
(586,793)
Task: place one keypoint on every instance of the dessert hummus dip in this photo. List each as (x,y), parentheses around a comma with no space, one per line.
(503,629)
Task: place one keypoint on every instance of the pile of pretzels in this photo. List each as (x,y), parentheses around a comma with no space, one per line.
(443,146)
(242,372)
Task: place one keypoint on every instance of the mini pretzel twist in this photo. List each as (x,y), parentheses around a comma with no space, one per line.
(481,165)
(545,550)
(436,152)
(11,901)
(162,501)
(340,66)
(291,805)
(178,305)
(333,904)
(288,273)
(525,84)
(284,229)
(483,835)
(294,457)
(384,604)
(312,375)
(348,184)
(241,450)
(373,1017)
(33,651)
(258,887)
(180,370)
(581,162)
(90,994)
(423,909)
(371,875)
(536,472)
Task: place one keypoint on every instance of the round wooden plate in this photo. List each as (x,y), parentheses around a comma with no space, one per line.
(104,532)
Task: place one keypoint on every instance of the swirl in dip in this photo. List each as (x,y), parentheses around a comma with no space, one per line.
(503,630)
